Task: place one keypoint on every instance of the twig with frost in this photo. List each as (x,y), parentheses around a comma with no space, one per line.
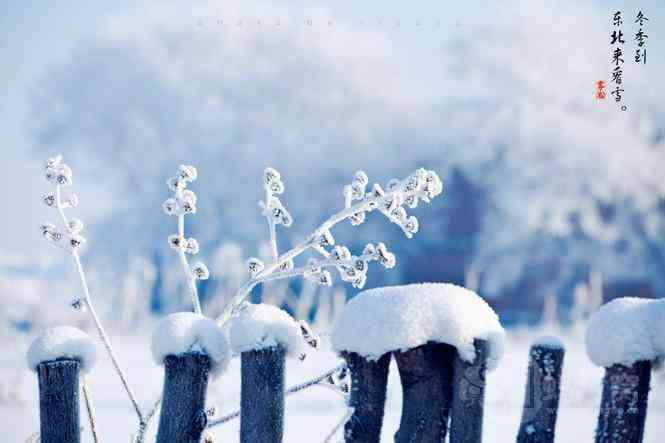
(181,204)
(421,185)
(340,424)
(69,238)
(337,375)
(90,408)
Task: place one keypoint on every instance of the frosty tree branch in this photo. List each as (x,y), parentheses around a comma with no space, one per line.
(421,185)
(60,175)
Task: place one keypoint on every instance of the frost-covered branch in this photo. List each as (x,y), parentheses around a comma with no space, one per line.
(340,424)
(70,239)
(422,185)
(273,210)
(183,203)
(90,409)
(336,376)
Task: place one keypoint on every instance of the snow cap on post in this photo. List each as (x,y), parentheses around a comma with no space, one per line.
(261,326)
(626,330)
(393,318)
(63,343)
(184,332)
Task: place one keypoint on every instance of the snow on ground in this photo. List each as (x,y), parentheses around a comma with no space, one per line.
(311,414)
(387,319)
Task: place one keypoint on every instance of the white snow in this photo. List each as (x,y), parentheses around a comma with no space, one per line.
(548,341)
(381,320)
(63,342)
(260,326)
(627,330)
(184,332)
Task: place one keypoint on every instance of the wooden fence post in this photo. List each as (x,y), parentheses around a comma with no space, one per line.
(262,395)
(541,400)
(59,401)
(426,373)
(182,418)
(369,381)
(623,406)
(466,416)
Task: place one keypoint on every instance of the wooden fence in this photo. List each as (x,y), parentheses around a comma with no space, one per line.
(442,394)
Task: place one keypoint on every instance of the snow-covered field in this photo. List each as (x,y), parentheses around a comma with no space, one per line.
(311,414)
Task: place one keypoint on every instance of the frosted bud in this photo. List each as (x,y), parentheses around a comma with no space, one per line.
(170,206)
(176,184)
(393,184)
(398,214)
(200,271)
(270,175)
(53,162)
(50,174)
(76,240)
(77,304)
(188,196)
(360,281)
(255,266)
(360,265)
(326,239)
(75,225)
(369,250)
(188,207)
(276,187)
(357,191)
(412,183)
(174,242)
(211,410)
(48,199)
(286,266)
(188,173)
(411,226)
(325,279)
(48,230)
(63,175)
(357,218)
(192,246)
(361,178)
(377,190)
(411,201)
(341,253)
(72,200)
(387,259)
(433,186)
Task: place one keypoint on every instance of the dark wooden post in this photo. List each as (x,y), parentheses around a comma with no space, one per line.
(59,401)
(369,381)
(541,400)
(623,407)
(426,373)
(466,416)
(182,418)
(262,396)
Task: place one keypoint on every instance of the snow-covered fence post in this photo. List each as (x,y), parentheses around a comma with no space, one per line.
(541,400)
(59,401)
(466,417)
(192,348)
(182,417)
(451,336)
(264,336)
(426,373)
(262,395)
(625,336)
(623,407)
(369,381)
(58,356)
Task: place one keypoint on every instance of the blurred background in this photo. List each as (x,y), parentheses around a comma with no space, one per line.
(554,201)
(549,192)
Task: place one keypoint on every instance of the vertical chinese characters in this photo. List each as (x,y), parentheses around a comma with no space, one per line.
(641,39)
(617,41)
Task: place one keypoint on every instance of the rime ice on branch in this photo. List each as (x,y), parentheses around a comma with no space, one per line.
(183,203)
(422,185)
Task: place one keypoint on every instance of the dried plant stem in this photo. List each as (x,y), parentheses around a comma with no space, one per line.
(341,423)
(91,309)
(191,280)
(90,409)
